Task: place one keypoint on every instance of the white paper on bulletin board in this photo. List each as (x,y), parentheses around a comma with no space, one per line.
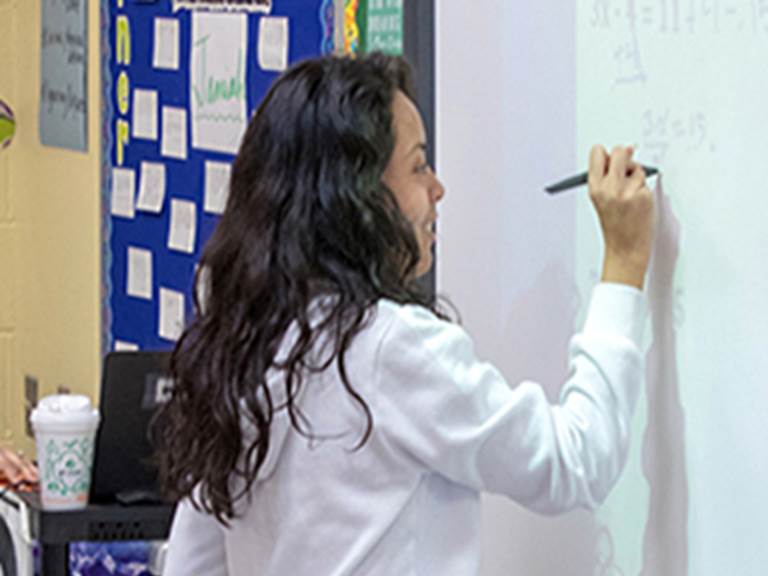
(217,80)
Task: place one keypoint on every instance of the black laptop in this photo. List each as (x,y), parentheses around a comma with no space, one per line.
(133,386)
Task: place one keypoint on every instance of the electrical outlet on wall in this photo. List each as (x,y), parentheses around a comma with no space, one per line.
(31,389)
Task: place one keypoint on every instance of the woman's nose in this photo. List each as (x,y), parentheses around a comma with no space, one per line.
(438,190)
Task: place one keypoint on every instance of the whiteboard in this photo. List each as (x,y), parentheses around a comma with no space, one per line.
(523,91)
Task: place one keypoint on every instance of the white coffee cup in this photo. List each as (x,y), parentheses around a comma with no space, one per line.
(65,429)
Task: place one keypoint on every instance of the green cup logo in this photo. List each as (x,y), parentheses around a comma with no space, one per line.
(67,468)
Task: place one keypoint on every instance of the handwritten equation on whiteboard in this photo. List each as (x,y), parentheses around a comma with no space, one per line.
(684,16)
(633,20)
(663,128)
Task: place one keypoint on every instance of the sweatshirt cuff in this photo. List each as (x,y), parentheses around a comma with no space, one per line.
(617,309)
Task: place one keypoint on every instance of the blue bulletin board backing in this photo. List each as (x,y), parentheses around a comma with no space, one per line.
(136,310)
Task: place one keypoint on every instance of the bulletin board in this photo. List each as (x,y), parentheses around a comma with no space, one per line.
(180,80)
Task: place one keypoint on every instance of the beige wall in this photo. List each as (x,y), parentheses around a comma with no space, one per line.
(49,233)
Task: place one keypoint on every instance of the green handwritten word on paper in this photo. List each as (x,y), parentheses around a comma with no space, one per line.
(209,90)
(218,89)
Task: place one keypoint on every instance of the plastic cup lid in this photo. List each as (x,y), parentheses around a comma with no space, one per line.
(64,408)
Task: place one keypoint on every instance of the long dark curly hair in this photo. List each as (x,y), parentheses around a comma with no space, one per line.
(307,216)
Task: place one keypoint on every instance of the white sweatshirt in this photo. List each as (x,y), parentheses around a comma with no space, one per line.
(446,426)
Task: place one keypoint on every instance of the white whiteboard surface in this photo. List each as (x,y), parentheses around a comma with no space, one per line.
(523,90)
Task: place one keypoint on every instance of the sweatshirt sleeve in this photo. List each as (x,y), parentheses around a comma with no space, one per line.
(446,411)
(196,544)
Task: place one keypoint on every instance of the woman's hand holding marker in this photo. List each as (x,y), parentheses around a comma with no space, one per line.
(624,206)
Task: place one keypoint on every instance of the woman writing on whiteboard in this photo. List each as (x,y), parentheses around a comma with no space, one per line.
(326,418)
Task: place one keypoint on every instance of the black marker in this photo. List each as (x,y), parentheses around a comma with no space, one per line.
(582,179)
